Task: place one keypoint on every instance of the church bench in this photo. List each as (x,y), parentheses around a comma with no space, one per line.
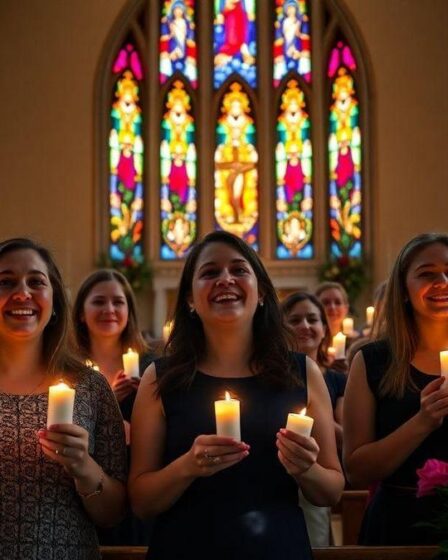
(352,506)
(327,553)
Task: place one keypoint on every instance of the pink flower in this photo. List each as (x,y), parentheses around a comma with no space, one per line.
(434,473)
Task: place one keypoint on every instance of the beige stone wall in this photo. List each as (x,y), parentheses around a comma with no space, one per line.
(48,60)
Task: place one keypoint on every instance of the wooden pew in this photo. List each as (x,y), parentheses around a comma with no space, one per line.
(328,553)
(352,506)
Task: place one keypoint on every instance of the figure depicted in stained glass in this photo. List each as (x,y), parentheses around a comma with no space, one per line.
(293,174)
(236,177)
(177,41)
(178,175)
(292,40)
(126,168)
(344,145)
(234,38)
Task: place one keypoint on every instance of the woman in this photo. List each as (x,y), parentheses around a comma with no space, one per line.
(218,496)
(105,319)
(395,403)
(56,483)
(334,299)
(305,315)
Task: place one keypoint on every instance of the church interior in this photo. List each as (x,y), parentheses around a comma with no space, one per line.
(58,88)
(314,130)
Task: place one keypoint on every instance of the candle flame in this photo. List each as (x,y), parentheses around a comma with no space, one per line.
(302,412)
(130,350)
(228,398)
(89,363)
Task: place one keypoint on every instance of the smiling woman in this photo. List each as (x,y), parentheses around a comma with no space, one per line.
(396,403)
(230,498)
(77,468)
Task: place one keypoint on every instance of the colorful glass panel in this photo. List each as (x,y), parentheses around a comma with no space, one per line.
(292,43)
(294,193)
(177,41)
(344,150)
(234,40)
(236,174)
(126,160)
(178,196)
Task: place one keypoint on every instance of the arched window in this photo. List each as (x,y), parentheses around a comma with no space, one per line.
(244,115)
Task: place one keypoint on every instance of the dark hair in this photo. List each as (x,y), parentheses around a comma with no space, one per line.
(131,336)
(186,344)
(287,305)
(399,320)
(56,352)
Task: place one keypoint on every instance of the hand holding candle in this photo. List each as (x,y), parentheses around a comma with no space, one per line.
(130,364)
(61,399)
(227,414)
(300,423)
(339,346)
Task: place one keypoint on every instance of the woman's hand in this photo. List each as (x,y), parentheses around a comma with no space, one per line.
(295,452)
(68,445)
(434,403)
(210,454)
(123,386)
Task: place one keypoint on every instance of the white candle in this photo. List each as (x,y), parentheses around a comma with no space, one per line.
(227,414)
(347,326)
(130,364)
(166,331)
(339,346)
(92,365)
(61,399)
(300,423)
(444,363)
(370,311)
(331,352)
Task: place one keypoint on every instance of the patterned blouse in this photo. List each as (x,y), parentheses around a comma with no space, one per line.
(41,515)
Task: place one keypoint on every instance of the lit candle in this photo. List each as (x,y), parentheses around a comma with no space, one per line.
(92,365)
(339,346)
(166,331)
(61,399)
(370,311)
(130,364)
(331,352)
(300,423)
(347,326)
(444,363)
(227,414)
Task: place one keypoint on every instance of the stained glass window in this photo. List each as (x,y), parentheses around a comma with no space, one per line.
(126,159)
(294,195)
(344,149)
(177,47)
(234,36)
(292,43)
(178,204)
(236,173)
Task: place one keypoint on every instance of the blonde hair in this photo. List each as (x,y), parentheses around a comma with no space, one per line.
(324,286)
(399,321)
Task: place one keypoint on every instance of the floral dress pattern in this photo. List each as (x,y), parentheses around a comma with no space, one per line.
(41,515)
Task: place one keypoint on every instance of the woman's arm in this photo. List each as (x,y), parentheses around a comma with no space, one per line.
(313,461)
(338,422)
(367,460)
(153,488)
(104,497)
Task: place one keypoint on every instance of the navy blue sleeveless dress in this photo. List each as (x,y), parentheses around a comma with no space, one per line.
(248,511)
(394,512)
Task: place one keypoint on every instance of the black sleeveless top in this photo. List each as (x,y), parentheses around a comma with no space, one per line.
(395,510)
(249,510)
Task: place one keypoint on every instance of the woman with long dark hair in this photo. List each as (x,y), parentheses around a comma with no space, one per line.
(216,495)
(56,482)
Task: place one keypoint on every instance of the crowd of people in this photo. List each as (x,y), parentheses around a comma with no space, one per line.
(142,462)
